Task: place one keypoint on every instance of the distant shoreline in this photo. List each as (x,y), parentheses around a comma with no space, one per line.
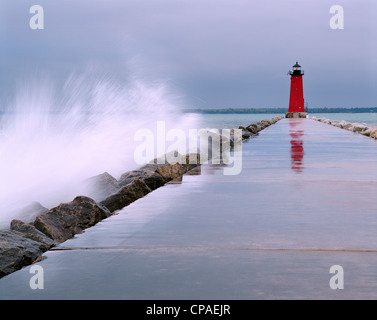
(278,110)
(271,110)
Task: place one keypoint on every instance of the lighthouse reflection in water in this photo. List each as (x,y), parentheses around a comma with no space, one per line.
(297,145)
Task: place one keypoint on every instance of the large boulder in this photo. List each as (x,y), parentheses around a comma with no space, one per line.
(359,127)
(29,231)
(266,123)
(159,171)
(151,178)
(126,195)
(367,132)
(345,125)
(336,123)
(253,128)
(246,134)
(373,133)
(170,171)
(168,166)
(17,251)
(64,221)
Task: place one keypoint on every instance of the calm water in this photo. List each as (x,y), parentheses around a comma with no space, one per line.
(227,121)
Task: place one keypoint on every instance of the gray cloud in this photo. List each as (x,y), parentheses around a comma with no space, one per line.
(217,53)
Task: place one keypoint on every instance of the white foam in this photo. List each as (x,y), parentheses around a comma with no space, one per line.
(52,139)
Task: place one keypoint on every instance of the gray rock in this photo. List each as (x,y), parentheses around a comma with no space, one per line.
(167,170)
(367,132)
(29,231)
(359,127)
(170,171)
(253,128)
(17,251)
(266,123)
(345,125)
(151,178)
(126,195)
(67,219)
(373,133)
(246,134)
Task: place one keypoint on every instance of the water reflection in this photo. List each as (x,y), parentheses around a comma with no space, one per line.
(297,145)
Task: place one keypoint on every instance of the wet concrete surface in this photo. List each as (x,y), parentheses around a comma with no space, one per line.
(304,201)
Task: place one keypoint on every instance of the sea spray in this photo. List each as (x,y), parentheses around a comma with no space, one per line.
(52,138)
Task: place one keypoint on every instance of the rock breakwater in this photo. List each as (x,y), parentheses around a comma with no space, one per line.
(25,242)
(361,128)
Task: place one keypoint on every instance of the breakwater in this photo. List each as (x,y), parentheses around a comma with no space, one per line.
(258,235)
(24,243)
(361,128)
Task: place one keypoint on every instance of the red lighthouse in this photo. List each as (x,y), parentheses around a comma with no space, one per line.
(296,98)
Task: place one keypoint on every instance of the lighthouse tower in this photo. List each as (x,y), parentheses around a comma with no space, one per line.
(296,98)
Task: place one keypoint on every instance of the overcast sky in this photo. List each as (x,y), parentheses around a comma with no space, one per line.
(218,53)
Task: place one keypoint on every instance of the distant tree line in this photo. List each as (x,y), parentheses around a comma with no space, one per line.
(280,110)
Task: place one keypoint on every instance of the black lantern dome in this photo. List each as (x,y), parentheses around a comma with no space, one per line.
(296,70)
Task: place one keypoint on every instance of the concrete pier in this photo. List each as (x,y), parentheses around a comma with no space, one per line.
(304,202)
